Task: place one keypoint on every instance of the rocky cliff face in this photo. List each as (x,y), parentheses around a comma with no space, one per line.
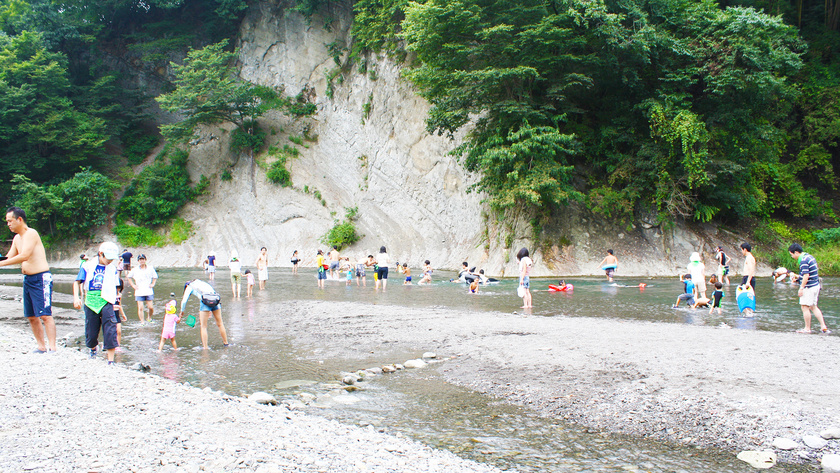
(410,193)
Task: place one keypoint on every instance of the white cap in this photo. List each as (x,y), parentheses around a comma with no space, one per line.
(109,250)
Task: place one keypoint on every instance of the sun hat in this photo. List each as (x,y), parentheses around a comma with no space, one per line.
(694,257)
(109,250)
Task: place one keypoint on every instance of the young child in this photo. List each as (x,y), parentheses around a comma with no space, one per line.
(474,286)
(120,314)
(716,297)
(349,267)
(688,294)
(170,319)
(427,273)
(250,280)
(407,271)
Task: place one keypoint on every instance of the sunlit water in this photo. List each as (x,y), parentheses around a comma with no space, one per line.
(419,404)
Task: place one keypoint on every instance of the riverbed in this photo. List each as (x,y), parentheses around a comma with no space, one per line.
(621,381)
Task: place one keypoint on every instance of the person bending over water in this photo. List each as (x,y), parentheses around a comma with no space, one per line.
(210,303)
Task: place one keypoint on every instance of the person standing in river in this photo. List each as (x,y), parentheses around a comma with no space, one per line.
(210,265)
(335,262)
(100,280)
(295,260)
(28,251)
(143,279)
(235,274)
(809,287)
(525,264)
(609,264)
(125,263)
(749,265)
(382,260)
(723,265)
(262,267)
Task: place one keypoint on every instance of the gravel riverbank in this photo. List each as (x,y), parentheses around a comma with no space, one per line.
(708,386)
(64,412)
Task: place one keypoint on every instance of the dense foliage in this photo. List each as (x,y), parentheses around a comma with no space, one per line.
(68,210)
(63,104)
(158,192)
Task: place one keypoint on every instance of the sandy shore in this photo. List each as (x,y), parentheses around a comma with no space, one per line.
(712,387)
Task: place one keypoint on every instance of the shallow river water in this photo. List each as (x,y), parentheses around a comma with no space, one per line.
(419,404)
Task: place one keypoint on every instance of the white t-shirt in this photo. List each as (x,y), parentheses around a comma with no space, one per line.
(382,259)
(235,267)
(143,279)
(525,264)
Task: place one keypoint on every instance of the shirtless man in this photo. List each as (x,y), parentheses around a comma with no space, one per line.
(28,251)
(334,262)
(749,265)
(262,268)
(608,264)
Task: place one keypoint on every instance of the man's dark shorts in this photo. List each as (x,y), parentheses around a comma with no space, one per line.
(105,320)
(37,294)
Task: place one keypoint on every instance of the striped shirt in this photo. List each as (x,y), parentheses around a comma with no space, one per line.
(808,265)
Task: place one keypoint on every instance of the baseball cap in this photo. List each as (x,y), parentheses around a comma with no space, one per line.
(109,250)
(142,256)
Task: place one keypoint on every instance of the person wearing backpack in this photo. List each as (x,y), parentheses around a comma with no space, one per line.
(209,303)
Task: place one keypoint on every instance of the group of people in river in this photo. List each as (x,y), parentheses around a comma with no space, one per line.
(98,286)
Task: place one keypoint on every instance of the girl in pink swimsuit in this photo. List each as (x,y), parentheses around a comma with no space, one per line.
(169,322)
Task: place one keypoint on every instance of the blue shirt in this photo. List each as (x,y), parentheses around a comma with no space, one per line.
(808,265)
(689,286)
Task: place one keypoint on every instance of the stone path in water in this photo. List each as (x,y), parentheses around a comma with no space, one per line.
(64,412)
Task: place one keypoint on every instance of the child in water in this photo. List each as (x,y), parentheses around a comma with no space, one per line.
(716,297)
(688,294)
(407,271)
(169,320)
(349,267)
(474,286)
(427,273)
(249,277)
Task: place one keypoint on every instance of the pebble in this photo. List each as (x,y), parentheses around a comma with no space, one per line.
(831,433)
(758,460)
(814,441)
(830,463)
(429,354)
(418,363)
(784,444)
(261,397)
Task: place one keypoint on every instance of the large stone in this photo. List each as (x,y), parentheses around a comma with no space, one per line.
(429,354)
(814,441)
(784,443)
(830,463)
(389,369)
(261,397)
(418,363)
(831,433)
(759,460)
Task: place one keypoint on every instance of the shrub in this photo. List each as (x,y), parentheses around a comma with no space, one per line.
(181,231)
(829,235)
(158,192)
(129,235)
(137,146)
(278,174)
(226,175)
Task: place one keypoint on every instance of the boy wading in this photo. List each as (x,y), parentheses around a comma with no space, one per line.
(100,281)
